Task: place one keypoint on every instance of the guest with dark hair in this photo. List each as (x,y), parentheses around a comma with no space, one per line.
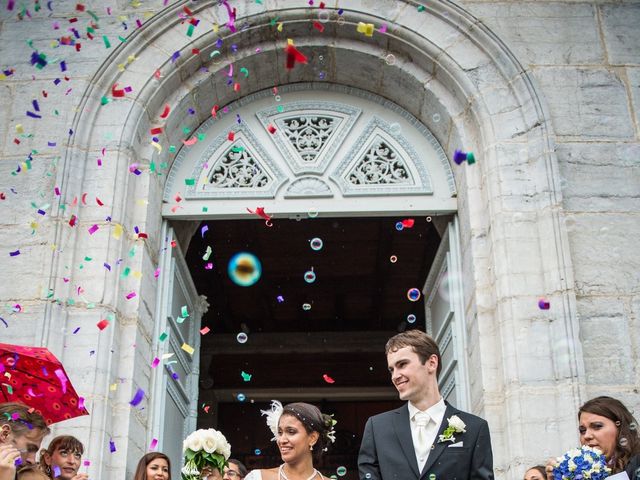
(302,434)
(235,470)
(606,424)
(153,466)
(62,459)
(535,473)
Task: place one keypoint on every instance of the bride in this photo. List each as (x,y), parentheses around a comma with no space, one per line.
(302,433)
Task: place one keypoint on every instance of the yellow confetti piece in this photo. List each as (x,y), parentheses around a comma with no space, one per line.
(216,27)
(113,387)
(366,28)
(121,67)
(188,348)
(279,26)
(131,58)
(157,146)
(19,128)
(142,202)
(117,231)
(137,274)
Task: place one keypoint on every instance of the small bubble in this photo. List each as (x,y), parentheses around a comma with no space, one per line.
(323,16)
(341,20)
(367,475)
(432,476)
(428,219)
(390,59)
(257,451)
(320,57)
(623,442)
(399,226)
(278,98)
(633,426)
(242,337)
(436,117)
(309,276)
(393,259)
(411,318)
(395,128)
(306,307)
(316,244)
(312,213)
(341,471)
(241,397)
(413,294)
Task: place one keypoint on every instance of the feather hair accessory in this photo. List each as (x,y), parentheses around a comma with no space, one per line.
(273,417)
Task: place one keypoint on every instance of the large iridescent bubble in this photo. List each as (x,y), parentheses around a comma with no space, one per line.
(244,269)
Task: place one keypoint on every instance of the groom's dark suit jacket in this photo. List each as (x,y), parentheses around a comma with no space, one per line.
(387,452)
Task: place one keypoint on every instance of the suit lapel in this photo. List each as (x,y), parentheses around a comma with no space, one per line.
(403,432)
(439,447)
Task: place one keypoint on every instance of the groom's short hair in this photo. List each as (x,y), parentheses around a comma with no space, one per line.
(422,344)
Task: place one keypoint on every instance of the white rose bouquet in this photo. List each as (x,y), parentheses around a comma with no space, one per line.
(204,449)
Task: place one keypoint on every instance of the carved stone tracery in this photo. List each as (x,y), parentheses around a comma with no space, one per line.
(238,169)
(380,166)
(309,134)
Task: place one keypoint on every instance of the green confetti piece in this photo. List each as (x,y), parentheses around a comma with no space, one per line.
(274,21)
(205,209)
(186,130)
(246,376)
(28,162)
(179,320)
(163,336)
(421,8)
(91,305)
(107,44)
(152,166)
(104,100)
(87,259)
(122,39)
(9,388)
(184,311)
(190,30)
(90,30)
(125,272)
(71,301)
(172,148)
(132,252)
(202,136)
(189,181)
(93,15)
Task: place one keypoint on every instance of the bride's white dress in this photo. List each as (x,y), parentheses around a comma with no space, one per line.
(254,475)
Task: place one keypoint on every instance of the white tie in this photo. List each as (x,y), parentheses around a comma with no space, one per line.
(422,449)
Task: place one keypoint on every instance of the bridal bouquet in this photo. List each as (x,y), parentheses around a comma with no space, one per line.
(584,463)
(204,449)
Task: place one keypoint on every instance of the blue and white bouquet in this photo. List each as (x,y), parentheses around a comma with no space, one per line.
(584,463)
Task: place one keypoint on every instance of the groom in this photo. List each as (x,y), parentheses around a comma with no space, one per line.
(427,438)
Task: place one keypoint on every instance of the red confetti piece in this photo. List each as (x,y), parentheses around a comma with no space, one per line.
(80,7)
(195,51)
(262,214)
(293,56)
(231,136)
(271,128)
(165,112)
(143,235)
(408,222)
(116,92)
(84,199)
(191,141)
(543,304)
(99,202)
(205,330)
(156,131)
(102,324)
(328,379)
(318,26)
(72,221)
(214,111)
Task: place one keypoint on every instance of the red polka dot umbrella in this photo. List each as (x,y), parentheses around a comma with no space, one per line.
(36,378)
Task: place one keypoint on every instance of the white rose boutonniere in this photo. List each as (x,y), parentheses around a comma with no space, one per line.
(456,425)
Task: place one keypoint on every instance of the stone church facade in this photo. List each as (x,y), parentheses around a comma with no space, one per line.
(545,94)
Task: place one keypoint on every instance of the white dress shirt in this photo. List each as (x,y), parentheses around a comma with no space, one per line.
(436,414)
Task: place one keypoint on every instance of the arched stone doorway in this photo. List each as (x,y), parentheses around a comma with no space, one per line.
(444,63)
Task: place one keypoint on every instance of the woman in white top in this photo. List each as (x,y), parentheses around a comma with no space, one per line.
(302,433)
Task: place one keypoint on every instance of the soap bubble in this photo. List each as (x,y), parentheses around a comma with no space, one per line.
(395,128)
(623,442)
(399,226)
(341,20)
(323,16)
(278,98)
(390,59)
(367,475)
(316,244)
(257,451)
(242,337)
(633,426)
(436,117)
(432,476)
(306,307)
(241,397)
(341,471)
(428,219)
(413,294)
(393,259)
(309,276)
(411,318)
(312,213)
(244,269)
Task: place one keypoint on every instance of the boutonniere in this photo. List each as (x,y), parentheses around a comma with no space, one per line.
(455,426)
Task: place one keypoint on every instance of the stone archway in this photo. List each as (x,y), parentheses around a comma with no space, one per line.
(445,64)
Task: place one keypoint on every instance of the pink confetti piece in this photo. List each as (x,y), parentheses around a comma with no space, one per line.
(63,379)
(155,363)
(130,295)
(81,403)
(156,274)
(93,229)
(32,393)
(137,398)
(204,330)
(153,444)
(208,266)
(86,463)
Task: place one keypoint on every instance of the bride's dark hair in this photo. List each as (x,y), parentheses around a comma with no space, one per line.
(627,440)
(314,421)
